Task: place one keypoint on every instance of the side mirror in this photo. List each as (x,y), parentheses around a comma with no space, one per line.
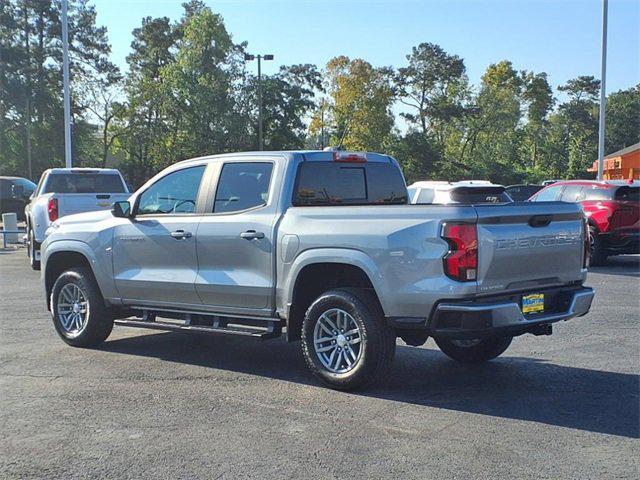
(121,209)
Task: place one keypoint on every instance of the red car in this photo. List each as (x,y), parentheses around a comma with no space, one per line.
(612,208)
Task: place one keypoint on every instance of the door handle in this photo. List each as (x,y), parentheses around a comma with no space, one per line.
(180,234)
(251,235)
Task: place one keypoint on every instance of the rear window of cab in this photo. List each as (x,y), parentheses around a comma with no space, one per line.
(337,183)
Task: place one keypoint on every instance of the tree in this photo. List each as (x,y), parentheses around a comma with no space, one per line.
(491,144)
(288,99)
(580,116)
(198,88)
(432,85)
(435,88)
(361,98)
(538,99)
(31,97)
(140,126)
(623,119)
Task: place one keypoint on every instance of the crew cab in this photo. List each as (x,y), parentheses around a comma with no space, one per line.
(65,191)
(612,208)
(322,245)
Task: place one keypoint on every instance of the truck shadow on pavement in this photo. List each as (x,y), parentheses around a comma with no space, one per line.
(626,265)
(510,387)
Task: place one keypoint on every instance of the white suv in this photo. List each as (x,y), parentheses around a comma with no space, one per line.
(464,192)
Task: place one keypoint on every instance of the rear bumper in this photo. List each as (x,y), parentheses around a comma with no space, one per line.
(622,241)
(486,318)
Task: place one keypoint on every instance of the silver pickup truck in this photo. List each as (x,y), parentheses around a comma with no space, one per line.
(65,191)
(324,245)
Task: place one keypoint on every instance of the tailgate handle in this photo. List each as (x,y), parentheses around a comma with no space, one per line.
(540,220)
(103,196)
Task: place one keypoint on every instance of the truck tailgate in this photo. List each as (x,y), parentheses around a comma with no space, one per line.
(70,203)
(525,246)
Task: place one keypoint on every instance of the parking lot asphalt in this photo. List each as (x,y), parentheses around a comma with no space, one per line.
(170,405)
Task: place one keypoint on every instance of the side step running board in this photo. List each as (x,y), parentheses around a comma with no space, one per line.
(272,329)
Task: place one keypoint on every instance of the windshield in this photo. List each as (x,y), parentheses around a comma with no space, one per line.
(84,183)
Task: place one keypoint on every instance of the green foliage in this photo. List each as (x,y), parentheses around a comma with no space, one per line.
(360,100)
(623,119)
(31,112)
(189,92)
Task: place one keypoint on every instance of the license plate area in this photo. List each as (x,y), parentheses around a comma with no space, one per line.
(533,303)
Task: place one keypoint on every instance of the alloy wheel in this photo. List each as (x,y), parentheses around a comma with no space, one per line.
(337,341)
(73,309)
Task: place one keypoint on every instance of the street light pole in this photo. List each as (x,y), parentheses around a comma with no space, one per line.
(65,80)
(249,57)
(603,91)
(260,137)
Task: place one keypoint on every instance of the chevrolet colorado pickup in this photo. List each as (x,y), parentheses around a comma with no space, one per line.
(324,245)
(65,191)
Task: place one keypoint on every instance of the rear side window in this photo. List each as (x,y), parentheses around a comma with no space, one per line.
(523,193)
(84,183)
(473,195)
(628,194)
(426,196)
(336,183)
(242,185)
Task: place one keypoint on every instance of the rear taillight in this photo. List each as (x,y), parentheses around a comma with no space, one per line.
(52,208)
(461,261)
(586,243)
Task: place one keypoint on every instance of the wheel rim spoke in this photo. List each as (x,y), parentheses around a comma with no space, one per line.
(72,309)
(337,340)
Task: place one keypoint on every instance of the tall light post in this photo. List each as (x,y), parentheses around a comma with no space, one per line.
(248,58)
(65,81)
(603,91)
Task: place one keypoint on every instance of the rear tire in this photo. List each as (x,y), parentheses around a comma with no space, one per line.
(597,253)
(346,341)
(80,315)
(31,251)
(474,351)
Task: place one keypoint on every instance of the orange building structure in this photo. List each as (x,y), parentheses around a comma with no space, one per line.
(621,165)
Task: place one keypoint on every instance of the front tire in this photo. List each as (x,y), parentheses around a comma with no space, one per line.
(79,313)
(474,351)
(346,342)
(597,252)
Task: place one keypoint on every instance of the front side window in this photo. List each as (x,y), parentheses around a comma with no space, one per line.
(549,194)
(242,185)
(175,193)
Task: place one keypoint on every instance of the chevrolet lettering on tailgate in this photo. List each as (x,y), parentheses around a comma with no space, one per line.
(534,242)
